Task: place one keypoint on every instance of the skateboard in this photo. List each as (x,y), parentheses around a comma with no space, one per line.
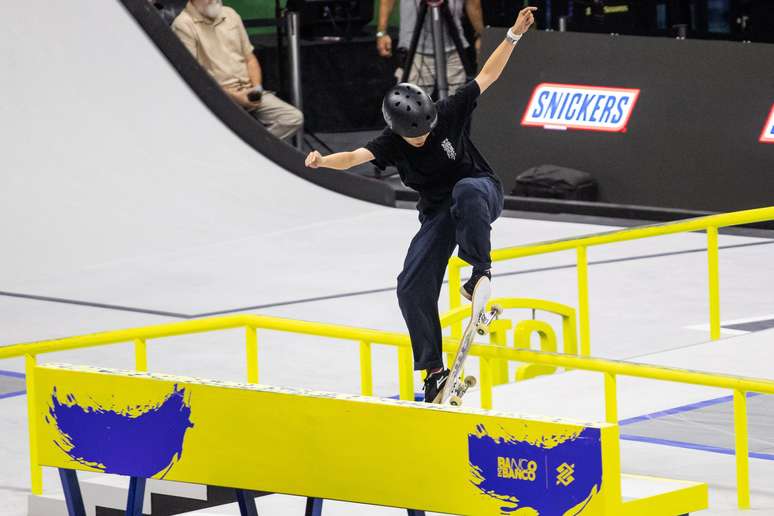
(479,322)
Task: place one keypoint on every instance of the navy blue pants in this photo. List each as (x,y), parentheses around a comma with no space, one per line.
(475,203)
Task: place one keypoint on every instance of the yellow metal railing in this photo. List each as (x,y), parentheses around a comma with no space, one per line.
(486,353)
(710,224)
(498,329)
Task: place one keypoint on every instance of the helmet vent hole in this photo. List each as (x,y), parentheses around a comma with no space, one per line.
(408,108)
(427,117)
(419,103)
(397,104)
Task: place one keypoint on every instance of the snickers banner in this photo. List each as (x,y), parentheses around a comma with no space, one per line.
(572,106)
(767,136)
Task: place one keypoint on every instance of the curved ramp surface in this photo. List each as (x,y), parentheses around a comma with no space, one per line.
(112,160)
(121,188)
(111,141)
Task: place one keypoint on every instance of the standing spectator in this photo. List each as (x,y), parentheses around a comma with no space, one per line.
(216,37)
(423,68)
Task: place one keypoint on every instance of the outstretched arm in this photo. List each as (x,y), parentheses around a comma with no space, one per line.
(339,160)
(495,65)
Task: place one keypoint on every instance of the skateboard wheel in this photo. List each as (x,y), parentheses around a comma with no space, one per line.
(455,401)
(482,329)
(497,310)
(470,381)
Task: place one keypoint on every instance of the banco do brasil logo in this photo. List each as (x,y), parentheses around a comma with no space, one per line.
(565,474)
(517,469)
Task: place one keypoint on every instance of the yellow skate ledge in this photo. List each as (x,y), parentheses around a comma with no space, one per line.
(331,446)
(645,496)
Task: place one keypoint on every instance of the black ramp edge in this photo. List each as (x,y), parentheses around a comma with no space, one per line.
(242,124)
(585,208)
(595,209)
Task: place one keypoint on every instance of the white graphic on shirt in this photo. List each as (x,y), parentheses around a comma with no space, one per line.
(449,148)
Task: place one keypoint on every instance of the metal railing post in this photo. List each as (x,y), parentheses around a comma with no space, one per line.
(714,282)
(405,373)
(140,355)
(366,374)
(611,399)
(742,450)
(454,296)
(36,472)
(485,367)
(251,349)
(583,301)
(498,336)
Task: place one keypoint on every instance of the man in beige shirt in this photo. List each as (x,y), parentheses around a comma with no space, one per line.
(216,37)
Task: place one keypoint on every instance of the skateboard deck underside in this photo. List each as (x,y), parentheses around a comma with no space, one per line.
(481,295)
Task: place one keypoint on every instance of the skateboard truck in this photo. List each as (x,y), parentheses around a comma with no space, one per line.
(482,328)
(460,389)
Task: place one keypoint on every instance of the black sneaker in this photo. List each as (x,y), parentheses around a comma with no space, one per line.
(467,289)
(434,384)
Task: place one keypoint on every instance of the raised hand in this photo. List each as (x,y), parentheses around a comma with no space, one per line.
(524,20)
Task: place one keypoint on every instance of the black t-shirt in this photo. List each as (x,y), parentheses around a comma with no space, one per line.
(447,156)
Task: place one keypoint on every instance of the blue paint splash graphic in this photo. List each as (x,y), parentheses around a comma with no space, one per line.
(139,441)
(557,476)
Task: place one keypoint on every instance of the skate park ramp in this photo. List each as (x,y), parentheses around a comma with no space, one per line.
(127,202)
(124,193)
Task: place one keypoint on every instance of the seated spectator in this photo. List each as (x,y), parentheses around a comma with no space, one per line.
(216,36)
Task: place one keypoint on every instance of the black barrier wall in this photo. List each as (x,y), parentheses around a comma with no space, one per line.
(692,141)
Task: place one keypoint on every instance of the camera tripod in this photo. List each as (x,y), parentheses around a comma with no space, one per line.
(441,16)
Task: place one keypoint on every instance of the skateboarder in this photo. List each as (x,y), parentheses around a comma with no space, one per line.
(459,195)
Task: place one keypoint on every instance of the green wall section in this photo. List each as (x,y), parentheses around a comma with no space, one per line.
(253,8)
(250,9)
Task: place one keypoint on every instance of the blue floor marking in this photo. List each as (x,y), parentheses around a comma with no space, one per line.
(682,444)
(12,394)
(693,446)
(13,374)
(681,409)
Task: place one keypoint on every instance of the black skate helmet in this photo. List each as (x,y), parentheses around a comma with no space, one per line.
(409,111)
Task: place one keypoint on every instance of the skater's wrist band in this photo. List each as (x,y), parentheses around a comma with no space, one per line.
(512,38)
